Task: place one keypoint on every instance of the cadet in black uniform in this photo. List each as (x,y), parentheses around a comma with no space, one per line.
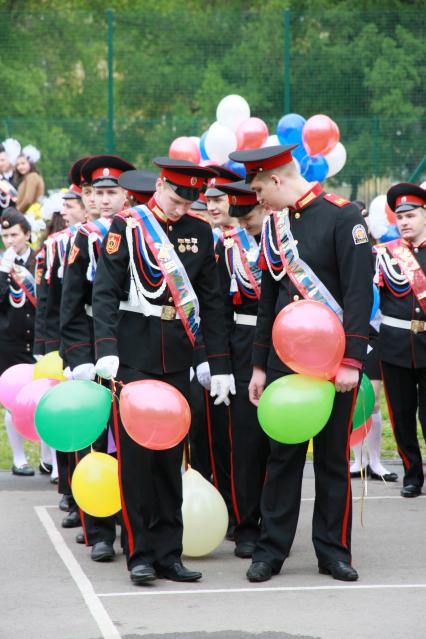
(17,311)
(241,281)
(141,332)
(401,268)
(328,233)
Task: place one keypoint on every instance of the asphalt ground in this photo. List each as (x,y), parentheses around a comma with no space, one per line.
(50,588)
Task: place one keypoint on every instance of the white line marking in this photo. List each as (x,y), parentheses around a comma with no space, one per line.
(96,608)
(215,591)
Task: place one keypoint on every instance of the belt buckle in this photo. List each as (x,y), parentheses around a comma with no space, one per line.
(417,326)
(168,312)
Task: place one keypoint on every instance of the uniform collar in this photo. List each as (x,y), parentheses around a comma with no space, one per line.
(153,206)
(24,257)
(411,246)
(307,198)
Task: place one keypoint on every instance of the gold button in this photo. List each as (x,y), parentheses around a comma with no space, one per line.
(170,299)
(297,216)
(296,242)
(416,250)
(170,228)
(296,298)
(417,309)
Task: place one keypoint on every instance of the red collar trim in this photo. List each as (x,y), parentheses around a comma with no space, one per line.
(308,197)
(156,209)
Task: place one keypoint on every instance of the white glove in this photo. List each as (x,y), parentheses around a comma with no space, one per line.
(67,372)
(232,388)
(7,261)
(191,374)
(84,372)
(38,357)
(107,366)
(203,374)
(220,387)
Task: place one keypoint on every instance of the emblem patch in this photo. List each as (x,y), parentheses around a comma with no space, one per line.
(113,243)
(73,254)
(359,234)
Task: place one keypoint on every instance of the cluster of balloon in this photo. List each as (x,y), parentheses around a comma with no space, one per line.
(381,220)
(319,154)
(204,514)
(364,406)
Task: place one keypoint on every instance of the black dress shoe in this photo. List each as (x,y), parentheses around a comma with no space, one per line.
(102,551)
(54,480)
(411,491)
(45,468)
(72,520)
(178,572)
(24,471)
(79,538)
(244,549)
(66,502)
(259,571)
(387,476)
(339,570)
(142,573)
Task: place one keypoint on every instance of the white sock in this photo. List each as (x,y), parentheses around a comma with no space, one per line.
(16,441)
(46,453)
(374,444)
(361,458)
(54,462)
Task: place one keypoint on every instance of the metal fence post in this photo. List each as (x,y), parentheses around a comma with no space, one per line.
(110,124)
(286,61)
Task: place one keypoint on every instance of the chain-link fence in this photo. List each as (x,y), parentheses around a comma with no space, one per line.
(79,83)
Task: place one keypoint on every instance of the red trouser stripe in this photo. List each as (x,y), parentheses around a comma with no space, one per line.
(209,434)
(392,420)
(233,493)
(348,457)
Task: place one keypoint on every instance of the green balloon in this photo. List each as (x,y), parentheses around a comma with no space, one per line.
(295,408)
(364,404)
(74,415)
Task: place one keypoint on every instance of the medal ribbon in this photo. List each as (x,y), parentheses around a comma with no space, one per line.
(252,271)
(411,269)
(173,270)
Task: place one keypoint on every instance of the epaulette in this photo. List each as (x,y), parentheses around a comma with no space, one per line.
(336,199)
(198,217)
(123,215)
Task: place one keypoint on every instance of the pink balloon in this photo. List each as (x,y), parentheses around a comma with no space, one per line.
(11,382)
(155,414)
(309,338)
(251,134)
(25,405)
(184,148)
(320,134)
(359,434)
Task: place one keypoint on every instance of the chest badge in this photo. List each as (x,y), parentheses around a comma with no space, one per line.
(113,243)
(359,234)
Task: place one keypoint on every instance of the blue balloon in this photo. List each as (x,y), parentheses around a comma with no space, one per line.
(299,152)
(289,128)
(236,167)
(314,168)
(391,234)
(203,152)
(376,302)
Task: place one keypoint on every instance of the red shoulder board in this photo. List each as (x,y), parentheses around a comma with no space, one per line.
(336,199)
(198,217)
(123,214)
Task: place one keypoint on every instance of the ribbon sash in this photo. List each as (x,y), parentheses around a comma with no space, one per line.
(411,269)
(27,283)
(173,270)
(253,274)
(304,279)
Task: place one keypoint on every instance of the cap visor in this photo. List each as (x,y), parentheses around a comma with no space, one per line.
(213,192)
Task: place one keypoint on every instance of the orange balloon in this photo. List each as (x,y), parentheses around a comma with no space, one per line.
(320,134)
(251,134)
(309,338)
(184,148)
(155,414)
(360,433)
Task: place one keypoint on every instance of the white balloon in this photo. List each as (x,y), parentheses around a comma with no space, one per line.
(423,185)
(204,514)
(220,142)
(272,141)
(336,159)
(232,110)
(377,220)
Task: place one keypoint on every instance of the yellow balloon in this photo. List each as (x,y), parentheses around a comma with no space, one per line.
(51,366)
(204,513)
(95,485)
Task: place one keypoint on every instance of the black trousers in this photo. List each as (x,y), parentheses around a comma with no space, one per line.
(151,488)
(405,390)
(250,450)
(280,503)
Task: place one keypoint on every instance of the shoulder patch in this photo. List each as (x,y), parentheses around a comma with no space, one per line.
(73,254)
(113,243)
(336,199)
(198,217)
(359,234)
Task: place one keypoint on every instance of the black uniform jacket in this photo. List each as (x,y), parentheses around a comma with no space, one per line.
(400,346)
(152,344)
(331,241)
(16,324)
(40,314)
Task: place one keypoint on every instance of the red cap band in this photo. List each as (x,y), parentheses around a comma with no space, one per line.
(74,188)
(269,163)
(410,199)
(140,197)
(182,179)
(217,180)
(105,172)
(242,200)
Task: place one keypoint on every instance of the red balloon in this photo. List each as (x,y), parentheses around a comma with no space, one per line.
(309,338)
(390,214)
(360,433)
(25,405)
(320,134)
(184,148)
(251,134)
(155,414)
